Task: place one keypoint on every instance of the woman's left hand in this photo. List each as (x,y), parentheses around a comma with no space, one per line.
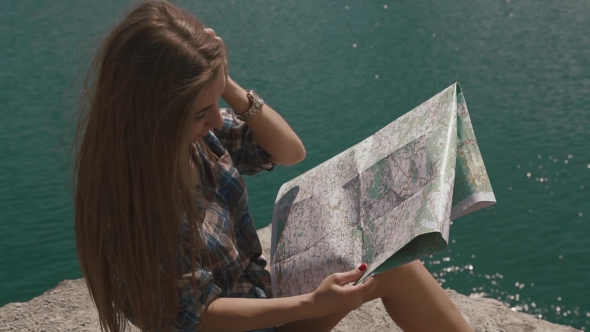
(211,33)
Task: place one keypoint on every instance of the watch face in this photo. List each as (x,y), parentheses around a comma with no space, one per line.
(257,98)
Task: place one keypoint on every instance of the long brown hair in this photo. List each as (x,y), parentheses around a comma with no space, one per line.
(131,193)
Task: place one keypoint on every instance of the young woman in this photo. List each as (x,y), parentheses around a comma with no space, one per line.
(164,235)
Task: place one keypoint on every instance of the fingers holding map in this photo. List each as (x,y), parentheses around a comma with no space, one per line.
(386,201)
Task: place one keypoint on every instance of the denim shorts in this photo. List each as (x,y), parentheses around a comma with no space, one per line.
(258,293)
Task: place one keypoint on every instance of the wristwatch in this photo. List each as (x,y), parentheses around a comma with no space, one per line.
(256,103)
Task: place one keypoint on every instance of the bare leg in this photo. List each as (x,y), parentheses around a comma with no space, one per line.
(412,298)
(416,302)
(319,324)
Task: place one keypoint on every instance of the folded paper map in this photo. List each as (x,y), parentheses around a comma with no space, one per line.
(386,201)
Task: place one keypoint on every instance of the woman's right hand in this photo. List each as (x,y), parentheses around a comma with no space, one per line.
(335,294)
(211,33)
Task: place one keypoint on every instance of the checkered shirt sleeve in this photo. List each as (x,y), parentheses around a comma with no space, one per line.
(194,301)
(236,137)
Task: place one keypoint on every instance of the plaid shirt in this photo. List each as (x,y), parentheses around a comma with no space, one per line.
(228,231)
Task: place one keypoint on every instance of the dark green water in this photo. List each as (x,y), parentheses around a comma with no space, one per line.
(338,71)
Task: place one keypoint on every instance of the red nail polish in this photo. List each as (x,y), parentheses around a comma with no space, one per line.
(363,267)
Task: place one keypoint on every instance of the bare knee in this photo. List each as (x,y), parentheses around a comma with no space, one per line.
(391,282)
(401,272)
(411,266)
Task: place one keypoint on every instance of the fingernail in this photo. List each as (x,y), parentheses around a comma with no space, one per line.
(362,267)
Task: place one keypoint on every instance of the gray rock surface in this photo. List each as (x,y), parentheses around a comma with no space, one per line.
(68,307)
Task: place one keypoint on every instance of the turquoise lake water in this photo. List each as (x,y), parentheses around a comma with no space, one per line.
(338,71)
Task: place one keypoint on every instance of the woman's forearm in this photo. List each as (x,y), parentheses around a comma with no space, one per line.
(244,314)
(270,130)
(334,294)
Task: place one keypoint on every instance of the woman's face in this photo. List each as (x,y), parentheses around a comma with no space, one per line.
(205,114)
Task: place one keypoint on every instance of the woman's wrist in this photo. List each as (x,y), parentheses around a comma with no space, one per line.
(235,96)
(318,305)
(310,306)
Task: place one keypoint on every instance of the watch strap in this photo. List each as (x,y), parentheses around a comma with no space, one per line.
(255,107)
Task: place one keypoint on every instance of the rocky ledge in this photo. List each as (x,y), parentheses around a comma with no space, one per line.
(68,307)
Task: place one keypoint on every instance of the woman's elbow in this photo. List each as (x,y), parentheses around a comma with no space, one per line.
(300,154)
(294,155)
